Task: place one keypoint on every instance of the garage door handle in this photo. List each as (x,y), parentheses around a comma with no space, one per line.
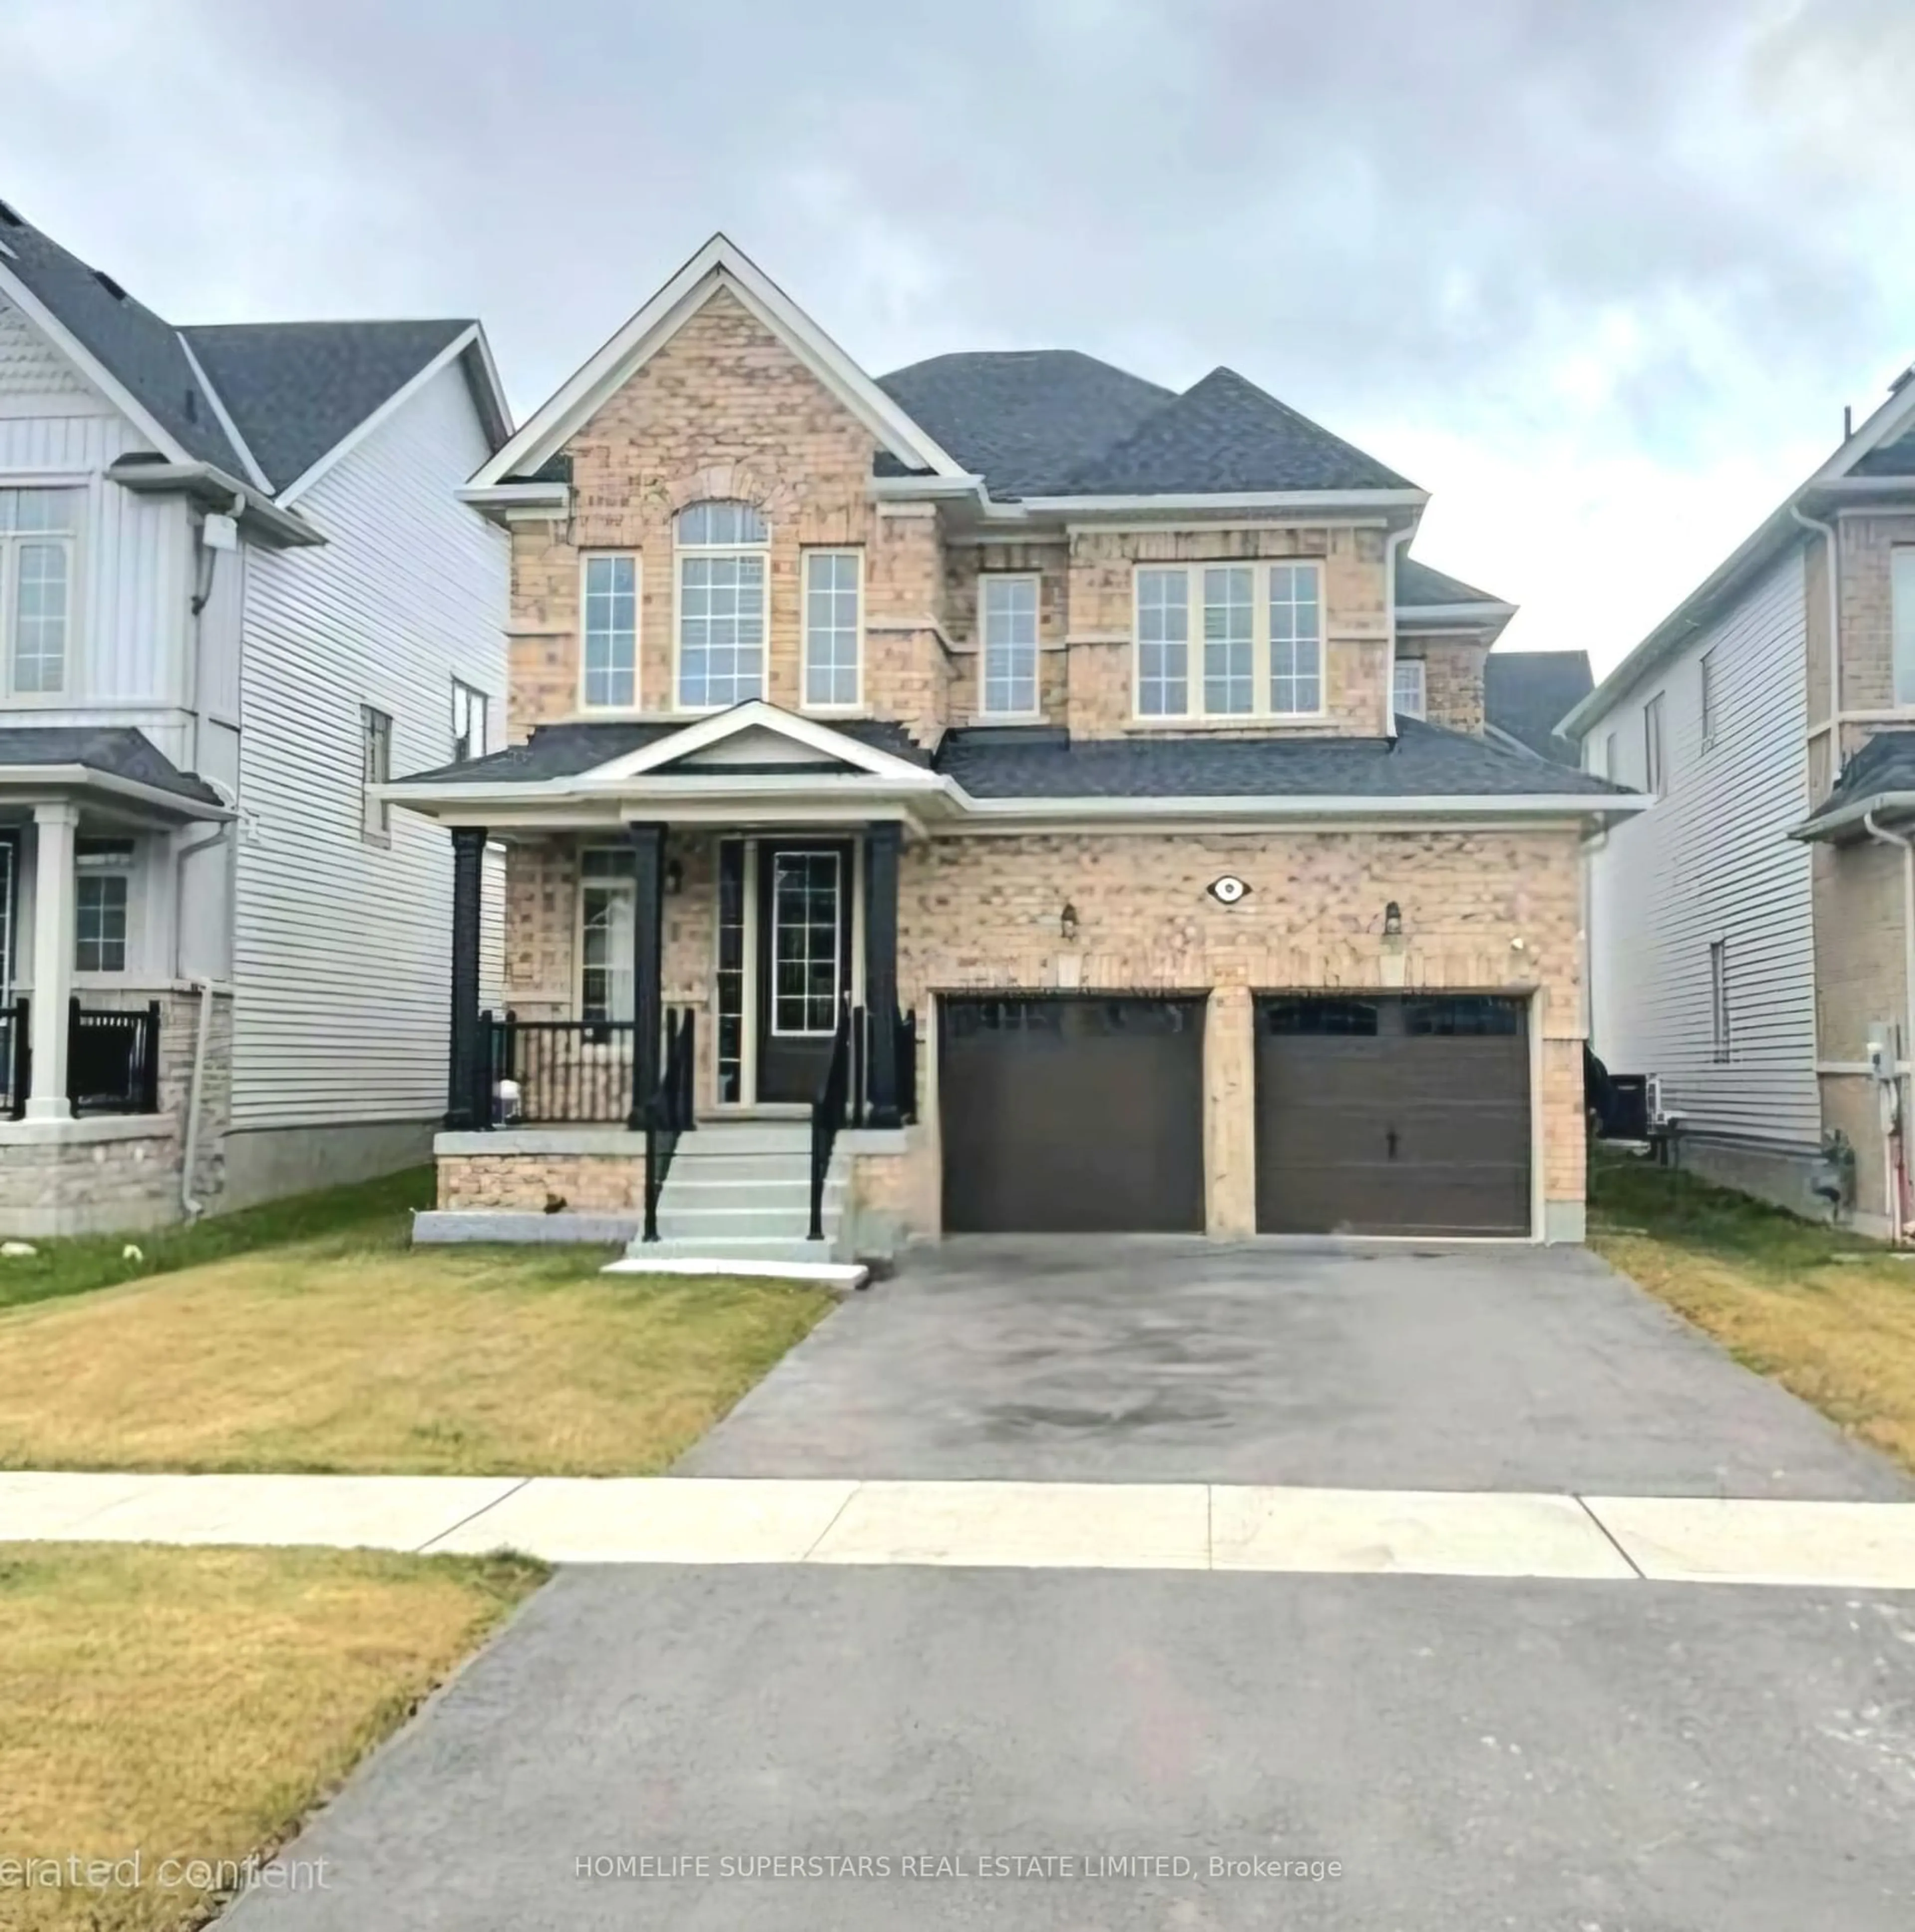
(1390,1141)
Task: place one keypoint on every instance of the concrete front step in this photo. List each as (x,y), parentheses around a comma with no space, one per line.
(743,1137)
(724,1224)
(731,1247)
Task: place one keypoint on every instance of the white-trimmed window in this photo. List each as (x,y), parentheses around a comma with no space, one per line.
(1007,634)
(608,590)
(1410,690)
(834,629)
(37,544)
(1260,631)
(807,969)
(375,768)
(1901,605)
(470,708)
(103,879)
(1653,746)
(723,583)
(608,907)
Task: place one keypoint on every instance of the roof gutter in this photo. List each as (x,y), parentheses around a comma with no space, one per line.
(1858,812)
(1406,499)
(84,778)
(206,483)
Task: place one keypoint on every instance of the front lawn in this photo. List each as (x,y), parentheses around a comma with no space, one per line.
(1830,1315)
(185,1707)
(356,1354)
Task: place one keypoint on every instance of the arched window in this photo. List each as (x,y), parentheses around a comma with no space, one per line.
(722,582)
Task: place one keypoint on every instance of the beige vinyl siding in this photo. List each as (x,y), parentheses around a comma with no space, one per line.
(344,946)
(1711,864)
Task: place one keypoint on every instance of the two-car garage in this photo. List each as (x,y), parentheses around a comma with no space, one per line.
(1386,1114)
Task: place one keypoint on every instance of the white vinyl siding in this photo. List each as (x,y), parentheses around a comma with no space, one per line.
(1712,865)
(342,948)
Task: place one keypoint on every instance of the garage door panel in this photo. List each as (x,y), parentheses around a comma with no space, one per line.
(1392,1114)
(1077,1114)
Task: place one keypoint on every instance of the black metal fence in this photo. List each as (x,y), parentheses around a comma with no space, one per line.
(15,1060)
(112,1058)
(556,1072)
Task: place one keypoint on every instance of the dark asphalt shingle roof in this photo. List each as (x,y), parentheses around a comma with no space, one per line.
(119,751)
(138,349)
(1054,423)
(1418,584)
(1893,459)
(1028,761)
(1528,694)
(1425,761)
(1886,763)
(297,389)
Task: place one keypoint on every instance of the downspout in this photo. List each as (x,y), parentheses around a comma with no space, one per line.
(1392,543)
(1898,1180)
(1827,533)
(190,1204)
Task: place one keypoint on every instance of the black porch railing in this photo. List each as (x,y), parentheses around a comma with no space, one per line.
(844,1098)
(112,1058)
(15,1059)
(669,1112)
(553,1072)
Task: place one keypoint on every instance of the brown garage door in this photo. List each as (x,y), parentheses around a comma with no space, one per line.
(1392,1115)
(1076,1114)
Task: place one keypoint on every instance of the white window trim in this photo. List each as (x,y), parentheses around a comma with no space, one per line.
(132,869)
(485,699)
(1421,667)
(11,542)
(680,552)
(1709,697)
(1194,712)
(585,559)
(1036,581)
(375,830)
(857,707)
(624,884)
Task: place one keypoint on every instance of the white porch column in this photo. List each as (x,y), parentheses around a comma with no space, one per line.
(55,826)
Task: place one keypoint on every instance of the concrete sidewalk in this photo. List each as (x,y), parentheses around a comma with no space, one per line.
(994,1525)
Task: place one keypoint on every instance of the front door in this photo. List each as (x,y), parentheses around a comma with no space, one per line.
(804,962)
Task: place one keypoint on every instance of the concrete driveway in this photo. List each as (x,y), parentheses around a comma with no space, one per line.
(1138,1361)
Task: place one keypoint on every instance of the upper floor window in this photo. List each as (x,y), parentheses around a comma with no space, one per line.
(833,628)
(103,872)
(1261,627)
(469,707)
(610,661)
(1007,627)
(375,768)
(36,587)
(1901,601)
(722,585)
(1706,694)
(1409,692)
(1652,765)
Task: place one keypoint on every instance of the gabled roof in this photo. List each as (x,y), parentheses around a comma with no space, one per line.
(140,354)
(263,401)
(1025,420)
(1418,586)
(296,390)
(1226,434)
(1526,693)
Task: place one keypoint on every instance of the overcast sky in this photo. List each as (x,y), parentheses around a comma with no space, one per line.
(1599,274)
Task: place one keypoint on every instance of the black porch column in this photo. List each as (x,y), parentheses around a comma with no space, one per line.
(647,967)
(881,968)
(465,1077)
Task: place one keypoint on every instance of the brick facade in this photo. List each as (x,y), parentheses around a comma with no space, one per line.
(1452,678)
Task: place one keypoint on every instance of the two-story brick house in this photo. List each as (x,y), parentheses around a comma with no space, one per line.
(1046,722)
(1755,931)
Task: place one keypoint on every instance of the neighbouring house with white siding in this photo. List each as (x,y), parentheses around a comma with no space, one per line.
(1750,941)
(237,592)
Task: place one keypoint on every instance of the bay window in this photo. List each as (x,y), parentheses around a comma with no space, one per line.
(1261,630)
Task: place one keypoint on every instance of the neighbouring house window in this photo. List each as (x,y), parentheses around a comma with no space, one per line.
(1901,600)
(469,723)
(805,932)
(1262,639)
(833,627)
(1707,678)
(1007,607)
(1719,1000)
(1653,767)
(37,573)
(608,902)
(1409,693)
(610,592)
(375,768)
(722,552)
(103,871)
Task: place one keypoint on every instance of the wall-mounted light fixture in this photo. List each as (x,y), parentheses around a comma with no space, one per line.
(1393,921)
(1066,924)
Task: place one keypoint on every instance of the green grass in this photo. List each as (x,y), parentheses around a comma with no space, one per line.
(370,1213)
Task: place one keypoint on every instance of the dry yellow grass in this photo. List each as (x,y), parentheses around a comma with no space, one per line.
(191,1704)
(1830,1317)
(431,1362)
